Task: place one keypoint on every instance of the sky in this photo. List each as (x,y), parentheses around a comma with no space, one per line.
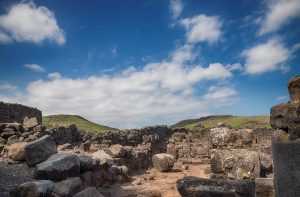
(138,63)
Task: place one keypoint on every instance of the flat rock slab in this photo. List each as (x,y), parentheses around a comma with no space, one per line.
(58,167)
(39,150)
(197,187)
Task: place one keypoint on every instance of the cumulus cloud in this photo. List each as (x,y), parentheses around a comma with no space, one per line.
(35,68)
(161,92)
(202,28)
(55,75)
(176,8)
(26,22)
(266,57)
(279,13)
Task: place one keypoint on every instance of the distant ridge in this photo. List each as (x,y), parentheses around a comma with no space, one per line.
(82,123)
(232,121)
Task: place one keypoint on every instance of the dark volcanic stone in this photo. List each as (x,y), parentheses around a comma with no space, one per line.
(41,188)
(89,192)
(39,150)
(12,175)
(86,163)
(58,167)
(200,187)
(68,187)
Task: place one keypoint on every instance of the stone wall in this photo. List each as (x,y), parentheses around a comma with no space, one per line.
(16,113)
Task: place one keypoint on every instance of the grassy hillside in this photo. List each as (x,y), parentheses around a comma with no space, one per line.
(232,121)
(66,120)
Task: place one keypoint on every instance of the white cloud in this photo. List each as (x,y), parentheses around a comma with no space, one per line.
(266,57)
(7,87)
(220,93)
(25,22)
(202,28)
(54,76)
(176,8)
(35,67)
(279,13)
(4,38)
(159,93)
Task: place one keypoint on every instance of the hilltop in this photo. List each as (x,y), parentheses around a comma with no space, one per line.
(66,120)
(232,121)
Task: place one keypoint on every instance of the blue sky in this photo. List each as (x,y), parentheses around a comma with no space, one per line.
(136,63)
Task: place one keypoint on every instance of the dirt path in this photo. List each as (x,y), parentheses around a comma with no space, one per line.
(157,184)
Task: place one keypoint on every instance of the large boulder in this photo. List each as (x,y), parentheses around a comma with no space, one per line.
(89,192)
(194,186)
(17,151)
(294,89)
(68,187)
(39,150)
(236,163)
(42,188)
(58,167)
(163,162)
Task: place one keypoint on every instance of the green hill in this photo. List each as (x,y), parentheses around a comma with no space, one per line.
(232,121)
(81,123)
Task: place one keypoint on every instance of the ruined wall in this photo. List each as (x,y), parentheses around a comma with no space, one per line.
(16,113)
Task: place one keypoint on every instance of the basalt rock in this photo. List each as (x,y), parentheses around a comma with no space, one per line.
(68,187)
(89,192)
(58,167)
(294,89)
(39,150)
(35,189)
(193,186)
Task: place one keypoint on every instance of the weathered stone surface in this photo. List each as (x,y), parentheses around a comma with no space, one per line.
(68,187)
(163,162)
(264,187)
(17,113)
(63,135)
(39,150)
(117,150)
(58,167)
(17,151)
(225,137)
(287,117)
(102,157)
(29,123)
(193,186)
(87,163)
(266,164)
(294,89)
(42,188)
(236,163)
(89,192)
(286,158)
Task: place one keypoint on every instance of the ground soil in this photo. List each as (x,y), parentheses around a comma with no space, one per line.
(157,184)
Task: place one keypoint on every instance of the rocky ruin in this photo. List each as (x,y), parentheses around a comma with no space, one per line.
(152,161)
